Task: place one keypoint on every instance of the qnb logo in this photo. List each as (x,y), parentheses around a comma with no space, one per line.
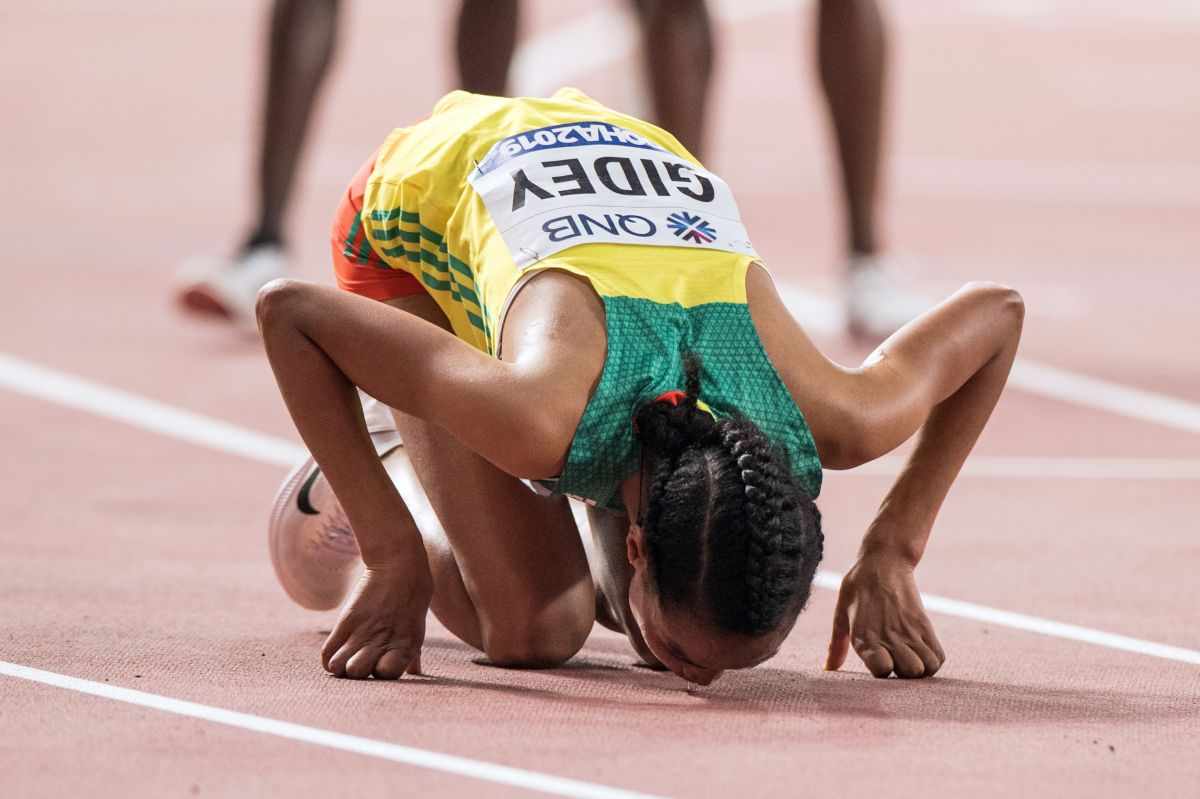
(691,228)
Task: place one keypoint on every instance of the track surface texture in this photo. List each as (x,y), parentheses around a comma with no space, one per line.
(1053,145)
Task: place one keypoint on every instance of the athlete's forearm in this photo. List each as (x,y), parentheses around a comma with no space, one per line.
(325,408)
(902,526)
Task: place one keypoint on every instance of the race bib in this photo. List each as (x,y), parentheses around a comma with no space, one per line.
(597,183)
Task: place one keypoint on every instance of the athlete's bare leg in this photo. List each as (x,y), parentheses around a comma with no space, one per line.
(303,34)
(485,39)
(511,575)
(679,57)
(851,57)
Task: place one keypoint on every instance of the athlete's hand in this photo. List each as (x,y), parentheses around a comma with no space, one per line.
(381,629)
(880,612)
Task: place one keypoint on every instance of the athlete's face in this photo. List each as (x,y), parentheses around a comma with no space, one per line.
(685,642)
(688,645)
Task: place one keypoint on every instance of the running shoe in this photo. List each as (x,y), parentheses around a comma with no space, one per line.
(226,288)
(877,302)
(312,545)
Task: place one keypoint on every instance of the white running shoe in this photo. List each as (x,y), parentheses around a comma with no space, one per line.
(877,302)
(311,542)
(226,288)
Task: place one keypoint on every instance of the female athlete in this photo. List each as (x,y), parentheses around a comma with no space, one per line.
(551,294)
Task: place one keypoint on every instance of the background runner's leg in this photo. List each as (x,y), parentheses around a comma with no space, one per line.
(851,57)
(679,56)
(485,39)
(302,38)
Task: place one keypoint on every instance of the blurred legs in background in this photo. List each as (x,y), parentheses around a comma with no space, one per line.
(303,34)
(677,52)
(484,43)
(678,55)
(851,61)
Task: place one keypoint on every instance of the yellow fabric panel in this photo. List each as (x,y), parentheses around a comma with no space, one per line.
(422,171)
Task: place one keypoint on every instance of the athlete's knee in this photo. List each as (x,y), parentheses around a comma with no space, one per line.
(539,640)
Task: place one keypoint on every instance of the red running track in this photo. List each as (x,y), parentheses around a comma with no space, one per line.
(1054,148)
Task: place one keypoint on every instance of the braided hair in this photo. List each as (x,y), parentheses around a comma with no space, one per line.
(725,527)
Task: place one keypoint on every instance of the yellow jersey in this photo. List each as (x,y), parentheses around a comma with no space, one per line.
(611,179)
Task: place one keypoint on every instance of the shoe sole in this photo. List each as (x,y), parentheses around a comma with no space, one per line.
(201,302)
(283,500)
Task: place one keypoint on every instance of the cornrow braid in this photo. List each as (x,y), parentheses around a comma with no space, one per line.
(783,541)
(673,435)
(726,528)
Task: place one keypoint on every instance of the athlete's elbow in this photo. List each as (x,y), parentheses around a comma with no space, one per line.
(1004,304)
(1005,298)
(1014,305)
(277,304)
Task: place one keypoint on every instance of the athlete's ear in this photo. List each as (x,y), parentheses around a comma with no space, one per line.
(635,547)
(635,544)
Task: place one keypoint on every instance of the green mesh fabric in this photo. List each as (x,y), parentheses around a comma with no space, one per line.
(646,342)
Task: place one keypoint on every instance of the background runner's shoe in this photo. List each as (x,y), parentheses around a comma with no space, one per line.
(226,288)
(877,301)
(310,539)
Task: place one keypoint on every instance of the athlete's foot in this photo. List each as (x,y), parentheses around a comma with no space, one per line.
(226,288)
(877,302)
(311,542)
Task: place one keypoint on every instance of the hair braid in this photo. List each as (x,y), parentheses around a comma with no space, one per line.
(773,547)
(726,528)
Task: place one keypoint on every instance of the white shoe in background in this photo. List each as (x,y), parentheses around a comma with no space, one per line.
(877,301)
(226,288)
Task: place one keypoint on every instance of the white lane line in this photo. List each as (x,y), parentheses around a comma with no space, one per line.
(158,417)
(1033,624)
(74,392)
(421,758)
(1090,392)
(824,315)
(77,393)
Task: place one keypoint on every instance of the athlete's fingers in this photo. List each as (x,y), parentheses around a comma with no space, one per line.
(928,657)
(905,662)
(391,663)
(839,647)
(339,659)
(931,640)
(875,656)
(362,663)
(414,666)
(332,644)
(839,642)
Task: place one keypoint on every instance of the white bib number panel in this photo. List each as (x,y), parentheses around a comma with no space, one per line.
(597,183)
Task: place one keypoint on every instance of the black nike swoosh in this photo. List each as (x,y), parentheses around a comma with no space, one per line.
(302,503)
